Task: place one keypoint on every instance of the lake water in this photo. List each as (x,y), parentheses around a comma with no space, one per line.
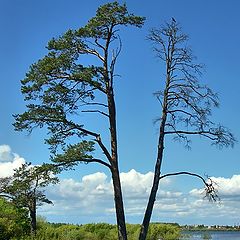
(215,235)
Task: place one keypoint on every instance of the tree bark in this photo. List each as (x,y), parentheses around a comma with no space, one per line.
(157,172)
(154,189)
(118,199)
(33,217)
(122,232)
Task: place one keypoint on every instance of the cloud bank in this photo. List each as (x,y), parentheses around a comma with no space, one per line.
(92,196)
(90,199)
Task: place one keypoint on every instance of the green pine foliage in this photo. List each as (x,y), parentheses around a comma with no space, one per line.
(61,86)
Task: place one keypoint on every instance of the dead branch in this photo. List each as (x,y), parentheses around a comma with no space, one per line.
(209,185)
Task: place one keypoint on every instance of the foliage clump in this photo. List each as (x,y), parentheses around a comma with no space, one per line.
(99,231)
(14,222)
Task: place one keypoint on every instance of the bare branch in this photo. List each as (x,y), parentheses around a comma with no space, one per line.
(184,173)
(94,103)
(210,190)
(190,132)
(91,51)
(114,57)
(76,126)
(97,139)
(96,111)
(102,146)
(98,161)
(94,52)
(99,45)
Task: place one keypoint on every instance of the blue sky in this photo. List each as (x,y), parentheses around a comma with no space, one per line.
(213,27)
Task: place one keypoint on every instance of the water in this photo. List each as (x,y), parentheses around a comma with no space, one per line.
(214,235)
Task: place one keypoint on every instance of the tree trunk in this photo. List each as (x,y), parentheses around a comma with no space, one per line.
(33,217)
(118,199)
(157,173)
(122,232)
(152,197)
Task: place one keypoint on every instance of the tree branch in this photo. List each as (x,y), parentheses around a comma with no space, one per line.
(85,131)
(82,160)
(211,192)
(94,103)
(99,141)
(204,133)
(102,146)
(184,173)
(6,196)
(96,111)
(114,58)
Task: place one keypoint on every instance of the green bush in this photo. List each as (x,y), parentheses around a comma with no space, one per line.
(163,232)
(14,221)
(101,231)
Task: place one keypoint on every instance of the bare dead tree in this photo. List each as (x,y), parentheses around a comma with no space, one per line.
(186,105)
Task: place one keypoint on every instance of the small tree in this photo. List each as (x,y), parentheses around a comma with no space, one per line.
(26,189)
(186,105)
(60,87)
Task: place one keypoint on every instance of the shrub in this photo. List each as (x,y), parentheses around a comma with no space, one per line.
(14,221)
(163,232)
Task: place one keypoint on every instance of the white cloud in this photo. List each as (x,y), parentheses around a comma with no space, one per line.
(228,207)
(9,161)
(135,184)
(92,196)
(228,186)
(5,153)
(97,186)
